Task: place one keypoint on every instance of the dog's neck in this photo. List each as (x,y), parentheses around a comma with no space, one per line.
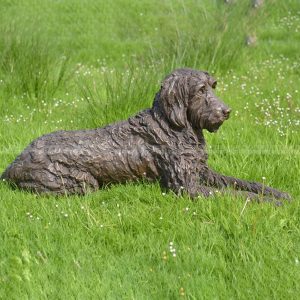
(200,136)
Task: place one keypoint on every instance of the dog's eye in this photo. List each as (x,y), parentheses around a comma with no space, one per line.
(202,89)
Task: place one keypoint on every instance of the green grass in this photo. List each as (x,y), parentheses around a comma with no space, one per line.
(84,64)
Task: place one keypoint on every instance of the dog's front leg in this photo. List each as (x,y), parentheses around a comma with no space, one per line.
(211,178)
(181,181)
(179,172)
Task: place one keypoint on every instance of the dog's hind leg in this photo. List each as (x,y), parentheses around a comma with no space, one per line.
(47,182)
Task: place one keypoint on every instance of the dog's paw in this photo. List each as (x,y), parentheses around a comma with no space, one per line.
(284,196)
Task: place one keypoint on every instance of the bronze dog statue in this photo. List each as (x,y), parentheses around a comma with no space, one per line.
(164,143)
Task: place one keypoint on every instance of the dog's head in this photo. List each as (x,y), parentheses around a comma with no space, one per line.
(186,97)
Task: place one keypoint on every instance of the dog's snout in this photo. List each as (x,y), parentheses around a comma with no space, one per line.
(226,112)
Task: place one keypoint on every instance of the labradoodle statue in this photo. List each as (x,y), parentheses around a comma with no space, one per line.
(164,143)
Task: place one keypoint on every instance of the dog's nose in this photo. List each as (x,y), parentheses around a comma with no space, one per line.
(226,112)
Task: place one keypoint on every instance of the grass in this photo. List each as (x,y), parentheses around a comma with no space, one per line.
(83,64)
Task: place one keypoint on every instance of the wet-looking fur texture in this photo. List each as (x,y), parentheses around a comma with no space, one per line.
(163,143)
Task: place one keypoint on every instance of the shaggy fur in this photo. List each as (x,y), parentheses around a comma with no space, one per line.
(163,143)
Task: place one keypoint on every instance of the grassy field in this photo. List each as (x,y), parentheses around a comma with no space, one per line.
(82,64)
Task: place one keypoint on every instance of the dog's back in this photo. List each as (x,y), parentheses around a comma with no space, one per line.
(57,161)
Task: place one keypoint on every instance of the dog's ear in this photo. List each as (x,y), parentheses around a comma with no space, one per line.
(174,96)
